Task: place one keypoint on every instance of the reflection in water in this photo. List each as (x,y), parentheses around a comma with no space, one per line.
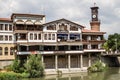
(110,74)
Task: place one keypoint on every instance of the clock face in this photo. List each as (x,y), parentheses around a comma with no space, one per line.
(94,16)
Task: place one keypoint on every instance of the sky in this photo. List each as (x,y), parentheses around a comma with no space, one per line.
(74,10)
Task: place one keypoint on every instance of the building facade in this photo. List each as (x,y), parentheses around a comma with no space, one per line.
(63,44)
(6,41)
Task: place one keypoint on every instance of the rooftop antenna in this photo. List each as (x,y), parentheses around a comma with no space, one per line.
(42,10)
(94,4)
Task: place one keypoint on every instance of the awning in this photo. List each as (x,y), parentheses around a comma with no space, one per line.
(62,35)
(74,35)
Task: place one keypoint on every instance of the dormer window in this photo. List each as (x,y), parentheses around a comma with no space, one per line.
(51,27)
(63,27)
(73,28)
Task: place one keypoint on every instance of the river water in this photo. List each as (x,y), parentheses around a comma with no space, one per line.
(110,74)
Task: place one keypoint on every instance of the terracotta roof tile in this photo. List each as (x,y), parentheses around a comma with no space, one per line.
(5,19)
(86,30)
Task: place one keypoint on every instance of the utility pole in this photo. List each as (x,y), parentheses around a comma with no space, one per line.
(116,45)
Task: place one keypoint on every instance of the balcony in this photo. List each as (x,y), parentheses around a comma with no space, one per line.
(48,52)
(93,41)
(22,27)
(21,37)
(94,50)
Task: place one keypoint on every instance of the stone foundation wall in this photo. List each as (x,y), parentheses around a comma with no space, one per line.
(5,63)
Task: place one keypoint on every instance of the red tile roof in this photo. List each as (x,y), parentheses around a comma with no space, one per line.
(5,19)
(22,14)
(86,31)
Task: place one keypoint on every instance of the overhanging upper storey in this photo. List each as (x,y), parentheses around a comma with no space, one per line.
(19,18)
(62,26)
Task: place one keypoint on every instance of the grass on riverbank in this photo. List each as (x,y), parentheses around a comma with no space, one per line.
(12,76)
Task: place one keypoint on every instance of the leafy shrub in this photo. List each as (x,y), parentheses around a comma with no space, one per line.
(8,68)
(34,66)
(16,67)
(97,67)
(12,76)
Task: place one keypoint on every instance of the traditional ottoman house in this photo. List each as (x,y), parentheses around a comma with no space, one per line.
(6,42)
(64,45)
(28,33)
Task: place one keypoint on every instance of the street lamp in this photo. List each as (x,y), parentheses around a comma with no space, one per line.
(116,45)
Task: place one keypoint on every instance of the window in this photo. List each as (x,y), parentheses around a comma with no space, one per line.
(11,51)
(1,38)
(39,36)
(51,27)
(73,28)
(6,27)
(31,36)
(10,27)
(10,38)
(35,36)
(6,38)
(62,27)
(75,36)
(49,36)
(1,26)
(6,50)
(23,36)
(53,36)
(0,50)
(45,36)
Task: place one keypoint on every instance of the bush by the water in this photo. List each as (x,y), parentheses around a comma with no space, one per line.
(16,66)
(34,66)
(97,67)
(12,76)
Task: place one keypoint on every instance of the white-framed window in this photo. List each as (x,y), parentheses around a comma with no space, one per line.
(1,26)
(35,36)
(6,50)
(10,38)
(6,37)
(31,36)
(73,28)
(1,37)
(6,27)
(45,36)
(11,51)
(0,50)
(49,36)
(53,36)
(10,27)
(39,36)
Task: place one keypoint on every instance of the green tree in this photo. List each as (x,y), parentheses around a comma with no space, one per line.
(34,66)
(111,42)
(16,67)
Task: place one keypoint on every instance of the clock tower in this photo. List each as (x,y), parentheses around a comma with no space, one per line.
(94,23)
